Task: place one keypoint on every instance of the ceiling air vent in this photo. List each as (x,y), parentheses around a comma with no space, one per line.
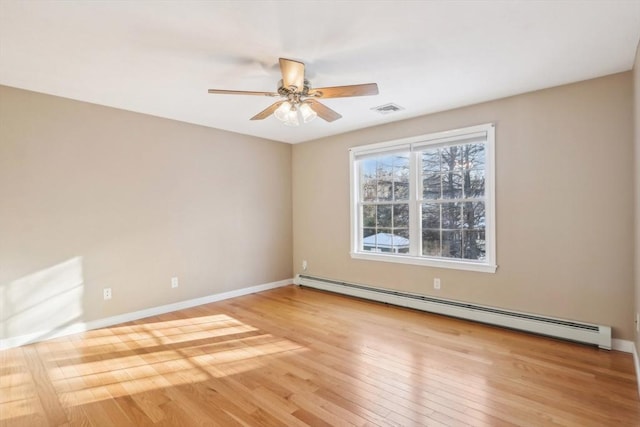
(387,108)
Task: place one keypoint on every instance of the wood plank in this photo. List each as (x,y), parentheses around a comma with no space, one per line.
(295,356)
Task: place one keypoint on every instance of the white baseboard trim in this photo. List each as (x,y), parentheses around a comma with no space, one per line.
(623,345)
(77,327)
(636,363)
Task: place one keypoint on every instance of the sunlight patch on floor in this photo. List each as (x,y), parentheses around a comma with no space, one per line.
(135,358)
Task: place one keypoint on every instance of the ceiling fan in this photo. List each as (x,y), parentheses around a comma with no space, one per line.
(300,100)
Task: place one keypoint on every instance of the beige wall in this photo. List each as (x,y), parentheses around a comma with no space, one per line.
(564,205)
(94,197)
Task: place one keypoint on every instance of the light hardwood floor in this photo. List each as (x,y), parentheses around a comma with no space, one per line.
(295,356)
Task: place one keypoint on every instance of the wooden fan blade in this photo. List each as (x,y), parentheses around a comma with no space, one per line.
(242,92)
(323,111)
(267,111)
(344,91)
(292,73)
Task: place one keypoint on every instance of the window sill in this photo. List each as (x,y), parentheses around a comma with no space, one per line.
(428,262)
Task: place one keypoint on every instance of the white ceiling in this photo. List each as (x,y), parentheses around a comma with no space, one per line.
(160,58)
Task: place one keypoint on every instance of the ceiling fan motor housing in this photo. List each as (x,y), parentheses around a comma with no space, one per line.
(292,91)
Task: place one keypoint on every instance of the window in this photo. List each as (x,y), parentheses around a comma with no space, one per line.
(426,200)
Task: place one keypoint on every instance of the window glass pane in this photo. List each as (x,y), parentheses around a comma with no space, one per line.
(401,215)
(431,216)
(384,173)
(385,190)
(451,158)
(369,241)
(452,185)
(387,240)
(404,233)
(384,216)
(474,244)
(431,161)
(432,186)
(401,190)
(368,180)
(474,215)
(431,242)
(368,231)
(369,191)
(401,177)
(369,216)
(452,244)
(474,183)
(451,216)
(473,156)
(401,241)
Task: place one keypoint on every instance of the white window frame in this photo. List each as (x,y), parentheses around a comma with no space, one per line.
(408,144)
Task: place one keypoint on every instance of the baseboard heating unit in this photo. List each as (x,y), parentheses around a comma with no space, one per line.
(549,326)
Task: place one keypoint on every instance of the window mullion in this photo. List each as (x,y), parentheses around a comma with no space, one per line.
(415,212)
(462,236)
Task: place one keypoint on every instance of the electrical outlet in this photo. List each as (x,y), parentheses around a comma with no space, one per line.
(106,293)
(436,283)
(174,282)
(304,265)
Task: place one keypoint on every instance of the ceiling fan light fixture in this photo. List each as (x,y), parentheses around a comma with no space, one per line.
(307,112)
(282,112)
(298,99)
(292,117)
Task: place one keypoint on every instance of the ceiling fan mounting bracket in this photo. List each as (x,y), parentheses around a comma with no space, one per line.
(292,93)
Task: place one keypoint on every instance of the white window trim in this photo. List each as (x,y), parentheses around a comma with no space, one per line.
(487,266)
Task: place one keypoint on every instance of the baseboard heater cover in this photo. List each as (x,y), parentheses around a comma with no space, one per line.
(559,328)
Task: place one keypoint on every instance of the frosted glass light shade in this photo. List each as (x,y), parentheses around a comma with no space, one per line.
(282,112)
(292,117)
(307,113)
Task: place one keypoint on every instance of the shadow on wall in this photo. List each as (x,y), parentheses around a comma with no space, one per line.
(43,302)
